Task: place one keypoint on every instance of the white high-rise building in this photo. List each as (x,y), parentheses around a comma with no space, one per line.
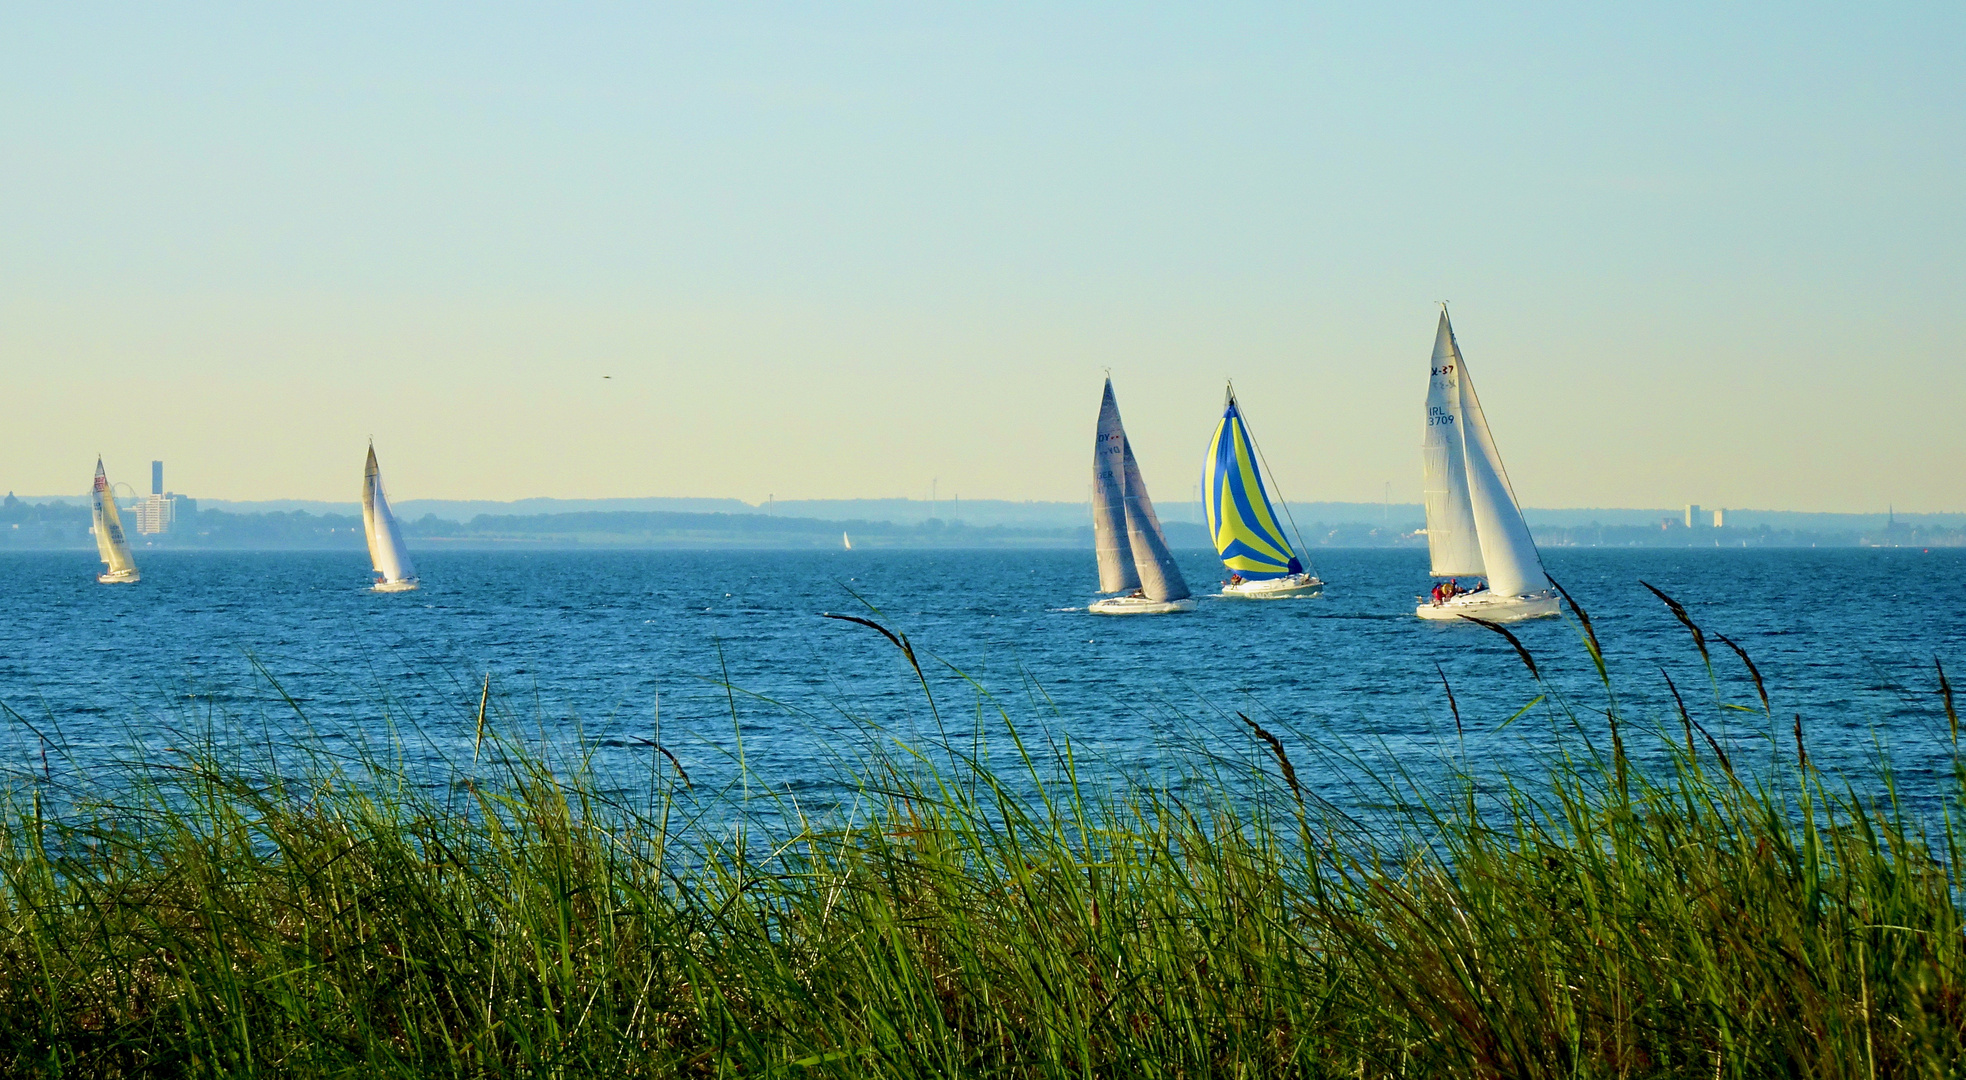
(1693,516)
(156,513)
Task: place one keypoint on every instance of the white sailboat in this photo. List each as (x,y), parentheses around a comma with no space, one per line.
(393,570)
(846,541)
(111,544)
(1242,523)
(1474,524)
(1133,555)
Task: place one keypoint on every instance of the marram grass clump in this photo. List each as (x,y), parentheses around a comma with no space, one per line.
(1598,918)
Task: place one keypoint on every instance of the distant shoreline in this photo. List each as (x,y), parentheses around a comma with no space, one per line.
(63,524)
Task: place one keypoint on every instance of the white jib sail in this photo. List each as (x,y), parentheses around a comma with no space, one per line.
(1451,536)
(386,551)
(110,541)
(1109,531)
(1160,578)
(1507,549)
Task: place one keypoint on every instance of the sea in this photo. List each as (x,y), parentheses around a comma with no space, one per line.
(727,659)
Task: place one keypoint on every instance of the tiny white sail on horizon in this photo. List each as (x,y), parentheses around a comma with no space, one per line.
(1474,523)
(111,543)
(393,569)
(846,540)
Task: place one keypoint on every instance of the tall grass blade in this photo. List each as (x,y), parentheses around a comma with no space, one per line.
(1527,660)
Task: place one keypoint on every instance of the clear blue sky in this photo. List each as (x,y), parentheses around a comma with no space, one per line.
(1694,253)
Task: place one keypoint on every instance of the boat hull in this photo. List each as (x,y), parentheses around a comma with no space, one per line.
(121,577)
(1140,605)
(1484,605)
(396,586)
(1282,588)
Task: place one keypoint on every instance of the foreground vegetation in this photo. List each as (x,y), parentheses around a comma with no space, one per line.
(1617,913)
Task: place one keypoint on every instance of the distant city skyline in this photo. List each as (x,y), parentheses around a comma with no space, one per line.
(1693,255)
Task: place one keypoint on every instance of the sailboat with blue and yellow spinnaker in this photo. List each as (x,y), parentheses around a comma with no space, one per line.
(1242,522)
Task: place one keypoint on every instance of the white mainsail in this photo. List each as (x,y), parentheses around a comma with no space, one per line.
(1121,509)
(1109,533)
(386,551)
(1474,499)
(1451,537)
(110,541)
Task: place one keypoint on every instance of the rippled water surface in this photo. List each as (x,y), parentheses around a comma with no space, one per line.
(590,641)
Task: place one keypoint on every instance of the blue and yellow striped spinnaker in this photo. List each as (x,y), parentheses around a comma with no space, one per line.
(1240,520)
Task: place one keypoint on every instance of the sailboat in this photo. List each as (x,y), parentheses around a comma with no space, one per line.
(1133,555)
(110,542)
(846,541)
(1241,520)
(1474,525)
(393,570)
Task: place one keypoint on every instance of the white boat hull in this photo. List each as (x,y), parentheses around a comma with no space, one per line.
(1281,588)
(1485,605)
(396,586)
(120,577)
(1139,605)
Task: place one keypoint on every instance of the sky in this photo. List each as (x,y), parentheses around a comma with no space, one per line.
(1693,253)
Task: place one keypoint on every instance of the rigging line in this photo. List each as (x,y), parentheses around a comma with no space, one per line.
(1292,518)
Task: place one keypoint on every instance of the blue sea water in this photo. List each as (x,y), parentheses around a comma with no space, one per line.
(287,647)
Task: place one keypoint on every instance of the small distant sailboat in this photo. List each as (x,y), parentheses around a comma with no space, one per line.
(110,541)
(1474,524)
(393,570)
(1241,521)
(846,541)
(1133,552)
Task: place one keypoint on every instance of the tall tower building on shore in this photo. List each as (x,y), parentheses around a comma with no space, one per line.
(157,511)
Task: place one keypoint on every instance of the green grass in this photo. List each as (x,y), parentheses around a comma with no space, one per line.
(1611,914)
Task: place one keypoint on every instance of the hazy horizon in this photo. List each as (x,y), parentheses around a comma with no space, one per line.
(1025,512)
(1694,255)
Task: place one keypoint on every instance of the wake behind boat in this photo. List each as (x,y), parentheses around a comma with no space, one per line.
(1474,524)
(1242,522)
(394,572)
(1121,511)
(111,544)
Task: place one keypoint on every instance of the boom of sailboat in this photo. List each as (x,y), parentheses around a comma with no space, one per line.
(1475,527)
